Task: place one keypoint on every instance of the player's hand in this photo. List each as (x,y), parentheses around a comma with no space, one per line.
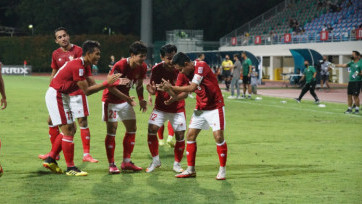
(130,101)
(121,81)
(3,103)
(169,101)
(113,78)
(151,87)
(166,85)
(143,105)
(249,75)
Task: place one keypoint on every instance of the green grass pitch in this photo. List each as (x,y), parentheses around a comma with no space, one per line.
(278,153)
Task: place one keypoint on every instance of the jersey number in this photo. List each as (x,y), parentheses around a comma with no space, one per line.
(112,114)
(153,116)
(69,115)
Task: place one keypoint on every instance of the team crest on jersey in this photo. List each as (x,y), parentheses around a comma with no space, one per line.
(200,70)
(81,72)
(71,58)
(60,59)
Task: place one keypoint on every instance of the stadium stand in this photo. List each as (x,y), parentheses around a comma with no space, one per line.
(304,20)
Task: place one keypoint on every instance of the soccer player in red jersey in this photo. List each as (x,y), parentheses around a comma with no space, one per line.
(78,100)
(69,78)
(118,106)
(209,111)
(166,108)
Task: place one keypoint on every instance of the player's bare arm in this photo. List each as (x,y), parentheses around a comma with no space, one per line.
(88,90)
(178,97)
(341,65)
(139,90)
(54,71)
(119,94)
(250,69)
(90,81)
(2,91)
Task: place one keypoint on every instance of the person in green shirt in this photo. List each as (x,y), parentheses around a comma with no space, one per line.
(354,84)
(247,69)
(310,82)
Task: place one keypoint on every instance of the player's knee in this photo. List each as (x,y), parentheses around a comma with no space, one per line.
(152,129)
(83,122)
(180,135)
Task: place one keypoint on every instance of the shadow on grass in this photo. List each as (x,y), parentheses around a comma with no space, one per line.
(235,171)
(188,190)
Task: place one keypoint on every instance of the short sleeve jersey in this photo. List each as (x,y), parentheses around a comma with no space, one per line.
(355,69)
(60,57)
(158,73)
(309,73)
(208,93)
(133,74)
(65,80)
(226,64)
(246,65)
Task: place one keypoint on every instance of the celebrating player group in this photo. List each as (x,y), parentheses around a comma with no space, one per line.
(171,82)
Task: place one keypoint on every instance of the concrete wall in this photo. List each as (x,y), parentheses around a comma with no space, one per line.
(279,56)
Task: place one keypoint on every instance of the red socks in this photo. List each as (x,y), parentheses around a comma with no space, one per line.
(56,146)
(160,132)
(170,129)
(222,151)
(153,144)
(85,135)
(68,150)
(128,144)
(110,143)
(191,149)
(53,133)
(179,150)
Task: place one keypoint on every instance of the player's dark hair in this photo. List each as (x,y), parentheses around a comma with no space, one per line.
(137,47)
(89,45)
(237,56)
(243,53)
(199,55)
(167,49)
(357,53)
(180,59)
(59,29)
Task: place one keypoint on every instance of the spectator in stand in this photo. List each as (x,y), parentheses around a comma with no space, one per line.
(110,66)
(329,28)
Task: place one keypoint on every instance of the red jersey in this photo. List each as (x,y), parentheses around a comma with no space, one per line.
(158,73)
(60,57)
(208,93)
(133,74)
(65,80)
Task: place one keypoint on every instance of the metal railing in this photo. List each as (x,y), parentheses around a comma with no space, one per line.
(274,39)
